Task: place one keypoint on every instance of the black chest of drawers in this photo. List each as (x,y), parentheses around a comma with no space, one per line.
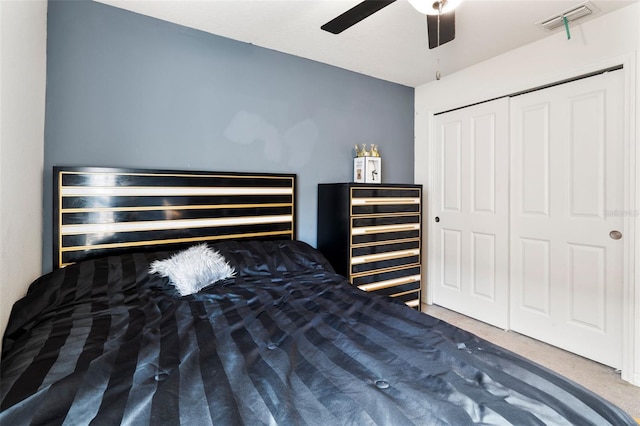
(372,234)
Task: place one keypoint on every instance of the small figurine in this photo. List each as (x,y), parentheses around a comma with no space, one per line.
(374,151)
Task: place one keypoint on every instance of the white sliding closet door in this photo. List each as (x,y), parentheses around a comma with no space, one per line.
(470,200)
(567,196)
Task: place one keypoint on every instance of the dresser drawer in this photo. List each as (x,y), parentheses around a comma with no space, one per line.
(364,224)
(384,201)
(365,209)
(380,261)
(384,192)
(366,230)
(384,236)
(394,277)
(393,287)
(401,284)
(411,299)
(390,247)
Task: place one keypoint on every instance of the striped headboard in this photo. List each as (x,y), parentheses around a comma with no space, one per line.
(104,211)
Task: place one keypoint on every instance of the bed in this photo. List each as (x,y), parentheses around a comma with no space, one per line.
(276,338)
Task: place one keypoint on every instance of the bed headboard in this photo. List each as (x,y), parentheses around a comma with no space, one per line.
(103,211)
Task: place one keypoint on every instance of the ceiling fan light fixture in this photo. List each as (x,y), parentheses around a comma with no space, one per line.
(432,7)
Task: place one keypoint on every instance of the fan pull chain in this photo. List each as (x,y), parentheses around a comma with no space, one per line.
(438,36)
(438,75)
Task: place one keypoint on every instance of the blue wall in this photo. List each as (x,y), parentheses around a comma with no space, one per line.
(125,90)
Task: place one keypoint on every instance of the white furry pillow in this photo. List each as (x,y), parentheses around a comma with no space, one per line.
(193,269)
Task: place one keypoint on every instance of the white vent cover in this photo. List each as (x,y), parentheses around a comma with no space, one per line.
(574,13)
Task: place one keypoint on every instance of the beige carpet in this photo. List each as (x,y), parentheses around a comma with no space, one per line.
(599,378)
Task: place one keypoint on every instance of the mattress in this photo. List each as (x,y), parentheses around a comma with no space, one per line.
(285,341)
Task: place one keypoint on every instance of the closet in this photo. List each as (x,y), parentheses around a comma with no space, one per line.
(528,200)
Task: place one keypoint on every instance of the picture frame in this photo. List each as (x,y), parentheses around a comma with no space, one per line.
(367,170)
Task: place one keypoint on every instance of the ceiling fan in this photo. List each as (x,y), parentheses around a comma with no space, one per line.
(440,18)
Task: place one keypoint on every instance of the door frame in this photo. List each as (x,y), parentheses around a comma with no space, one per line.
(631,211)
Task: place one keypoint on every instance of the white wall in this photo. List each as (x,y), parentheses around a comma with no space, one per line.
(605,41)
(23,45)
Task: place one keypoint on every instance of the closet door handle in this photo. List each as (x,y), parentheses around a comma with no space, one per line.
(437,219)
(615,235)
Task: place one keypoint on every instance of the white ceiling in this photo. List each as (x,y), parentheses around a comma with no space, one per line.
(390,44)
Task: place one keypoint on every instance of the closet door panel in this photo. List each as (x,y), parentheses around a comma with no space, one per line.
(567,183)
(470,273)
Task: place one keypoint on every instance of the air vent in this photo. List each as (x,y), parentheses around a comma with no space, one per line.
(572,14)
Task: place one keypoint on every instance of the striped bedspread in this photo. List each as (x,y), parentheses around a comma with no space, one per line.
(286,341)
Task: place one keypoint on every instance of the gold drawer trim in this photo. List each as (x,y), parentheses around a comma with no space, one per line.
(383,242)
(385,228)
(390,283)
(384,200)
(413,303)
(384,256)
(404,293)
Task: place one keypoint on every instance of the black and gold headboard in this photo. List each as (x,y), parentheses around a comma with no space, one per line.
(103,211)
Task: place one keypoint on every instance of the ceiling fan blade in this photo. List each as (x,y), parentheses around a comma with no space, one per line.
(447,28)
(354,15)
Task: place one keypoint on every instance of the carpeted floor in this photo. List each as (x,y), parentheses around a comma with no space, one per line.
(598,378)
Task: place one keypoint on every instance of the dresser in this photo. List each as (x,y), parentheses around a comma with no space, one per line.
(372,235)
